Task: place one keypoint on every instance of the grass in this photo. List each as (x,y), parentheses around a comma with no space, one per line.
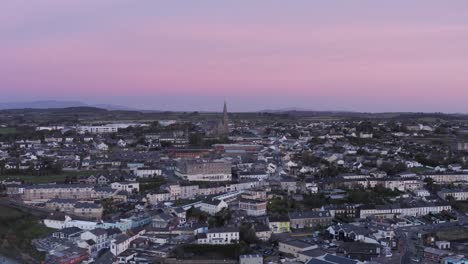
(59,178)
(7,130)
(453,234)
(192,251)
(17,230)
(462,206)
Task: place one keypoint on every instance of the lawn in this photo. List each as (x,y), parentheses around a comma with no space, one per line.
(17,230)
(59,178)
(192,251)
(462,206)
(7,130)
(453,234)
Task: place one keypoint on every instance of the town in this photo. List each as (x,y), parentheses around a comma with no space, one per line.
(87,185)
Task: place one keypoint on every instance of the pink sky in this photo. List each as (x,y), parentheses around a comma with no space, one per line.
(265,49)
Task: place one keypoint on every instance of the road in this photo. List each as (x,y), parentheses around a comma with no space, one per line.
(411,245)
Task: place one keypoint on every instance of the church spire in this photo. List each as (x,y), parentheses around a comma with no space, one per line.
(225,119)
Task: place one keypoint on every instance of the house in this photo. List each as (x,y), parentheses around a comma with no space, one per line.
(212,206)
(101,146)
(253,207)
(204,170)
(99,238)
(294,247)
(61,205)
(309,219)
(220,236)
(121,243)
(360,251)
(279,224)
(332,259)
(288,184)
(45,192)
(263,232)
(126,186)
(250,259)
(434,254)
(67,233)
(456,194)
(155,198)
(88,210)
(348,211)
(146,172)
(104,192)
(348,232)
(163,220)
(455,260)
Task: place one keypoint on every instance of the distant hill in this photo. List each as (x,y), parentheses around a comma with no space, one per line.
(51,104)
(41,104)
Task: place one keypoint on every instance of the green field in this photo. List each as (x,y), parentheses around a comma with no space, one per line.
(59,178)
(7,130)
(17,230)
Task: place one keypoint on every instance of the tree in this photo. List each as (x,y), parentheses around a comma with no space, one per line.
(247,234)
(196,140)
(450,199)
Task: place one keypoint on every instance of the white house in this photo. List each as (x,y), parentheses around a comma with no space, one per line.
(121,243)
(220,236)
(145,172)
(212,206)
(98,236)
(126,186)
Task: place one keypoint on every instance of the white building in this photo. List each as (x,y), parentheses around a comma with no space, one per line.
(121,243)
(212,206)
(126,186)
(458,195)
(97,129)
(98,236)
(407,211)
(147,172)
(220,236)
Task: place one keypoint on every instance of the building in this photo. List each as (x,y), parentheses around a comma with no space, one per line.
(88,210)
(121,243)
(212,207)
(361,251)
(263,232)
(126,186)
(456,194)
(155,198)
(279,224)
(455,260)
(99,240)
(97,129)
(223,128)
(220,236)
(395,209)
(61,205)
(446,178)
(67,233)
(253,207)
(309,219)
(45,192)
(204,170)
(294,247)
(250,259)
(145,172)
(332,259)
(434,255)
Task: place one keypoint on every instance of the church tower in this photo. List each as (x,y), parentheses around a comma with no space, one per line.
(225,123)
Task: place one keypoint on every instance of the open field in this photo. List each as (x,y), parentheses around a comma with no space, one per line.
(7,130)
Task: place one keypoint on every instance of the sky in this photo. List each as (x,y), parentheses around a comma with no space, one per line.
(359,55)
